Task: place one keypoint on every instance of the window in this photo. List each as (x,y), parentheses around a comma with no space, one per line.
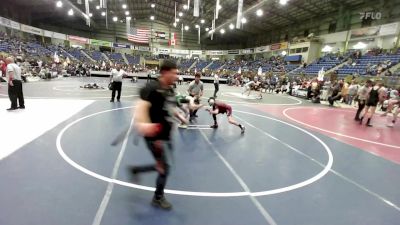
(298,50)
(305,49)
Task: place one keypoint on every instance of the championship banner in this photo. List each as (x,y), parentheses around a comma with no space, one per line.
(284,45)
(239,14)
(78,39)
(196,8)
(100,43)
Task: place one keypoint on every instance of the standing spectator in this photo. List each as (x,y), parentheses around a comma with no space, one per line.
(180,79)
(116,79)
(216,84)
(14,85)
(362,98)
(353,89)
(196,91)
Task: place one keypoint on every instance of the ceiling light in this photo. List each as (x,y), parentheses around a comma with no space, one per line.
(174,24)
(283,2)
(124,6)
(259,12)
(103,13)
(207,29)
(97,7)
(59,4)
(186,27)
(222,31)
(70,12)
(128,18)
(185,7)
(210,32)
(180,14)
(152,5)
(197,26)
(127,13)
(231,26)
(360,45)
(219,7)
(243,20)
(115,19)
(202,21)
(284,53)
(152,17)
(327,48)
(177,20)
(90,14)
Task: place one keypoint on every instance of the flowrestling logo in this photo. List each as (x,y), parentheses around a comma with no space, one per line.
(370,15)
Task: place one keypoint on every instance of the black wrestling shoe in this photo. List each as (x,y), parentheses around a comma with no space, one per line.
(11,109)
(162,203)
(112,100)
(21,107)
(243,129)
(134,174)
(215,126)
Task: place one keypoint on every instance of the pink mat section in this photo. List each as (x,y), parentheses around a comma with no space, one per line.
(339,124)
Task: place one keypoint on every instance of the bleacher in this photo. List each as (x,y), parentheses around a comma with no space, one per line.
(133,60)
(76,53)
(185,64)
(201,64)
(115,57)
(326,62)
(96,55)
(368,64)
(215,65)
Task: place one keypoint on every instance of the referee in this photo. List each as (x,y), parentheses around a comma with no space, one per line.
(196,91)
(216,84)
(14,85)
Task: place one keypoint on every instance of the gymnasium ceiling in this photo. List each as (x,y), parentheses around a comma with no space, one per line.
(274,15)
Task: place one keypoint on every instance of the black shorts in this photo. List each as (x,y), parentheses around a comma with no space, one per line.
(372,103)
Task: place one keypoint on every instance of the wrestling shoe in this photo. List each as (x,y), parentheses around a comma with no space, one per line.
(162,203)
(243,129)
(215,126)
(183,126)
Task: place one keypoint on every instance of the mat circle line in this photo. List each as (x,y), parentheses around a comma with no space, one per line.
(193,193)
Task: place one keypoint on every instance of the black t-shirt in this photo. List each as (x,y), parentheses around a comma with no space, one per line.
(162,103)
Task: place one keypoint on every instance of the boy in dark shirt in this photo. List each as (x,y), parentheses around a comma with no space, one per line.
(153,120)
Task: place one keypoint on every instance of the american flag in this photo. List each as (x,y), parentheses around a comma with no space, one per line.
(140,35)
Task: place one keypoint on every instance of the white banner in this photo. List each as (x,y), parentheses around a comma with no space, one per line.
(215,52)
(389,29)
(47,33)
(9,23)
(32,30)
(180,51)
(196,52)
(59,36)
(164,51)
(239,14)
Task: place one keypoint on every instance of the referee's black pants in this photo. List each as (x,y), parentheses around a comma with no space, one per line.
(117,86)
(15,94)
(216,89)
